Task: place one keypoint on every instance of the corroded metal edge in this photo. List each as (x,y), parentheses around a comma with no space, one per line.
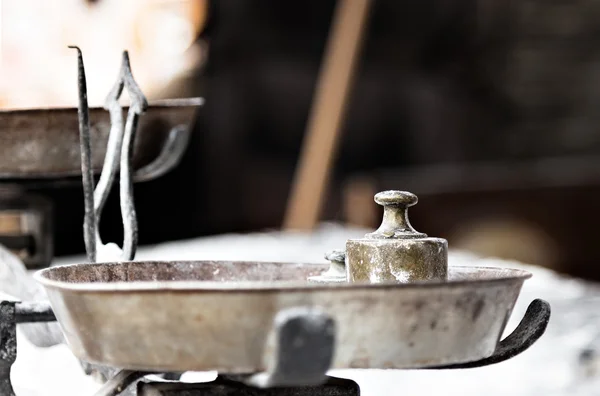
(472,276)
(161,143)
(152,104)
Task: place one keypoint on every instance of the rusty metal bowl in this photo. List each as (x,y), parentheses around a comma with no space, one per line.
(210,315)
(44,143)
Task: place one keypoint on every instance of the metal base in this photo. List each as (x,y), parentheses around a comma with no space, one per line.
(223,386)
(291,366)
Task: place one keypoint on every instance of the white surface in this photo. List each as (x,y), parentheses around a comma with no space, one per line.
(548,368)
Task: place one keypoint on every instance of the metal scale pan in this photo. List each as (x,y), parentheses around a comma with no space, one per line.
(40,146)
(223,316)
(267,322)
(41,149)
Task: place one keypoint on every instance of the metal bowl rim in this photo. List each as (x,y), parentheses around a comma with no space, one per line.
(158,103)
(503,276)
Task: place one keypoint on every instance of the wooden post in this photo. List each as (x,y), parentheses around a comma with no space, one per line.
(331,98)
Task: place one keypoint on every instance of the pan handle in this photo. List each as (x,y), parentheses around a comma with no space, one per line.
(304,347)
(169,157)
(530,329)
(119,154)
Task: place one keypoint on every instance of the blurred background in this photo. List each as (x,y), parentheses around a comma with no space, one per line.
(487,110)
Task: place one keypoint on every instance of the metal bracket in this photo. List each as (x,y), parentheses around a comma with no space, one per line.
(530,329)
(12,313)
(304,341)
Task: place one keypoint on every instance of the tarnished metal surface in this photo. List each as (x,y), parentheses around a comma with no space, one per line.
(218,315)
(396,251)
(44,143)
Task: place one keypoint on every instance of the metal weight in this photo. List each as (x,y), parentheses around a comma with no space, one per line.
(396,252)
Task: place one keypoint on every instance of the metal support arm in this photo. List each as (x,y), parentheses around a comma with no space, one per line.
(12,313)
(304,349)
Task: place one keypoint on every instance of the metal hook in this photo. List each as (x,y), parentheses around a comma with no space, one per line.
(119,153)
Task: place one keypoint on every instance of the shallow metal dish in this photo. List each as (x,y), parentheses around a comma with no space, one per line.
(44,143)
(207,315)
